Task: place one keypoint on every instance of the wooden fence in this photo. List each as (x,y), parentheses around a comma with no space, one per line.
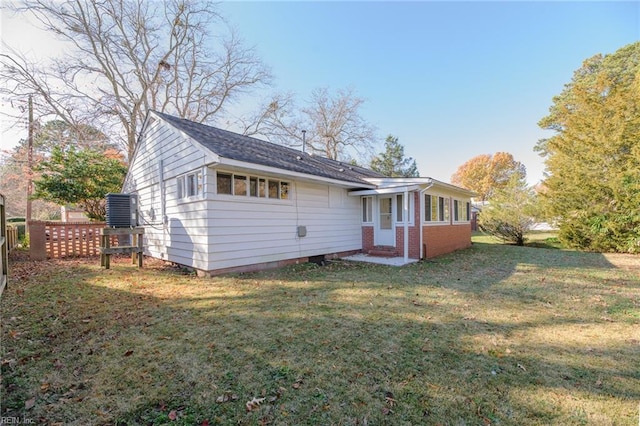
(50,239)
(4,247)
(12,237)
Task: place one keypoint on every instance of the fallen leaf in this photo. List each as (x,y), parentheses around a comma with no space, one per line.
(254,403)
(388,397)
(128,353)
(44,387)
(30,403)
(173,415)
(520,366)
(226,397)
(204,423)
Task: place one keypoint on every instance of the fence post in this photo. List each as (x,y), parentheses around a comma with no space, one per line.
(37,240)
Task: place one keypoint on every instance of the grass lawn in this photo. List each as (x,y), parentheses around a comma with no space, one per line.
(493,334)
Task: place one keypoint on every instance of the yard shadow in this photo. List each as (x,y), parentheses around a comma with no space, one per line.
(321,345)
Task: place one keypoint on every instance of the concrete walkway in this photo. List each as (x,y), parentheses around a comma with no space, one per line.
(390,261)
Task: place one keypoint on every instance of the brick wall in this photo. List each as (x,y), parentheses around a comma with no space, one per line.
(367,238)
(446,238)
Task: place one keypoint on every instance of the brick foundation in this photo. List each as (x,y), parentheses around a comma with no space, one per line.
(445,238)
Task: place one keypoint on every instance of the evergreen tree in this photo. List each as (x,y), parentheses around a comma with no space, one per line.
(593,160)
(392,161)
(81,177)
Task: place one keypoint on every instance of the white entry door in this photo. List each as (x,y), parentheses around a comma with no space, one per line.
(385,232)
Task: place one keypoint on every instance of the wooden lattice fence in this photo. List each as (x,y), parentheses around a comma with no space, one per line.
(49,239)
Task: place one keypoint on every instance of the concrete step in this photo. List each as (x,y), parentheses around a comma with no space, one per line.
(383,251)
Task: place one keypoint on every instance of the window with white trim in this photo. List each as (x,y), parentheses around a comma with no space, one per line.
(367,209)
(251,186)
(436,208)
(400,208)
(461,211)
(189,185)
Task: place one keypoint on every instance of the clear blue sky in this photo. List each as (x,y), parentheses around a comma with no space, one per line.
(451,80)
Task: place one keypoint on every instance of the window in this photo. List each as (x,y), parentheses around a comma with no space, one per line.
(251,186)
(447,208)
(400,215)
(262,188)
(189,185)
(436,209)
(224,183)
(239,185)
(461,211)
(367,209)
(181,187)
(284,190)
(273,189)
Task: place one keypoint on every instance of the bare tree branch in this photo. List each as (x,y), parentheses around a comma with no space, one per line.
(130,56)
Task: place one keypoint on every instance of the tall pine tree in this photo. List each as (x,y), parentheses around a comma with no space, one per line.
(392,161)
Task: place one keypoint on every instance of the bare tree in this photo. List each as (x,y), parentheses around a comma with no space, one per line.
(336,123)
(130,56)
(333,123)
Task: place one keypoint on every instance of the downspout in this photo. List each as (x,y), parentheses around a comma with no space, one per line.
(422,191)
(405,207)
(163,207)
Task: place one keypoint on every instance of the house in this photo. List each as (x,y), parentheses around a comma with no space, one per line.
(73,214)
(221,202)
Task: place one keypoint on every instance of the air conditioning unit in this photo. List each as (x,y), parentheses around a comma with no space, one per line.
(122,210)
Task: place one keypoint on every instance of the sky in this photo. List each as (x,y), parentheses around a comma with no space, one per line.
(451,80)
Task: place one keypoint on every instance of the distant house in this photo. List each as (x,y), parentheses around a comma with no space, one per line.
(221,202)
(73,214)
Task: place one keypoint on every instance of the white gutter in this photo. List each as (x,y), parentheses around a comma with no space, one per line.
(385,190)
(421,216)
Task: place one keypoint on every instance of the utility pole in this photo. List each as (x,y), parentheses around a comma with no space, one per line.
(29,164)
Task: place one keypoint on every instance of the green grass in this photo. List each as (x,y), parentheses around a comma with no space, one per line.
(494,334)
(536,239)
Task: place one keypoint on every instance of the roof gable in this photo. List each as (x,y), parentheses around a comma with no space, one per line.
(233,146)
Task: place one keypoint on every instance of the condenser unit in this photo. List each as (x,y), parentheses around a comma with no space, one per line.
(122,210)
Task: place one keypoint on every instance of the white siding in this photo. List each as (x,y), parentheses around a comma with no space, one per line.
(220,231)
(181,235)
(246,230)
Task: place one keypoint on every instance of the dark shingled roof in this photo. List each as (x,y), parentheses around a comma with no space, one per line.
(251,150)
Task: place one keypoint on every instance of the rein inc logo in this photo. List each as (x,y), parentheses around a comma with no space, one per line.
(15,420)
